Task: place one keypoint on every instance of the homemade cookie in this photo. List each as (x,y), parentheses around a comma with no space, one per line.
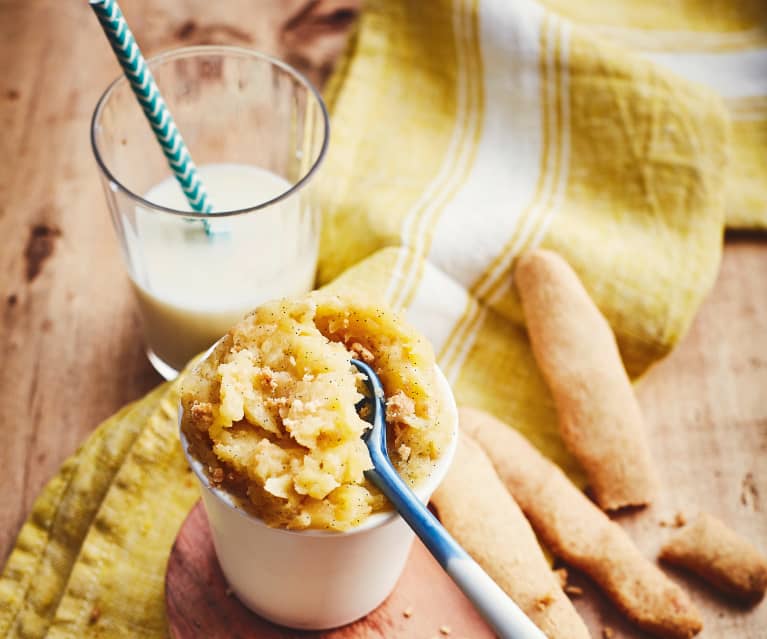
(599,417)
(577,532)
(720,556)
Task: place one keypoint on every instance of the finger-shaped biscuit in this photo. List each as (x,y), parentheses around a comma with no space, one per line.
(720,556)
(599,417)
(575,530)
(479,512)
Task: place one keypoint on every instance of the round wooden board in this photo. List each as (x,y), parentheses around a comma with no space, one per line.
(198,604)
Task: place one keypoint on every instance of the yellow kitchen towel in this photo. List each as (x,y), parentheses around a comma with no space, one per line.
(719,43)
(464,131)
(90,560)
(49,542)
(468,132)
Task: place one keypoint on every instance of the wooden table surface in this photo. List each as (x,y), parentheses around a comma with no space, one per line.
(70,348)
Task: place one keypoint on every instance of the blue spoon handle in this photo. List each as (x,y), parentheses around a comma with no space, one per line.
(495,606)
(503,615)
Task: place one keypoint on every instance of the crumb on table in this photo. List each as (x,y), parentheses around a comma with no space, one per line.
(678,521)
(543,602)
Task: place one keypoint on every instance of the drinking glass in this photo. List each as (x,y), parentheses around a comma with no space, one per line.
(258,131)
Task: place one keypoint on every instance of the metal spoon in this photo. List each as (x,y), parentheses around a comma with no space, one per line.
(495,606)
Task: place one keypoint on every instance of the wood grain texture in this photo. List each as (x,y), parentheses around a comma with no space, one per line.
(705,407)
(198,604)
(69,334)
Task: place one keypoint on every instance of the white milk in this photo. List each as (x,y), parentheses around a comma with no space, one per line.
(192,287)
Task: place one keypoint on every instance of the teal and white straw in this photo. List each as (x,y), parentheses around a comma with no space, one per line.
(156,111)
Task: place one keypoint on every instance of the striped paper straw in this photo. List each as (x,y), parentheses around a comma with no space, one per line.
(156,111)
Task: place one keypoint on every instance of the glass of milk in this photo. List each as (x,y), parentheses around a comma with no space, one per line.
(258,131)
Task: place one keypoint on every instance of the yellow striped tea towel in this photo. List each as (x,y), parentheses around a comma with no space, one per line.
(719,43)
(467,132)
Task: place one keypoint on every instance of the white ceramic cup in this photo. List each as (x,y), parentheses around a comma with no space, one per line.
(315,579)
